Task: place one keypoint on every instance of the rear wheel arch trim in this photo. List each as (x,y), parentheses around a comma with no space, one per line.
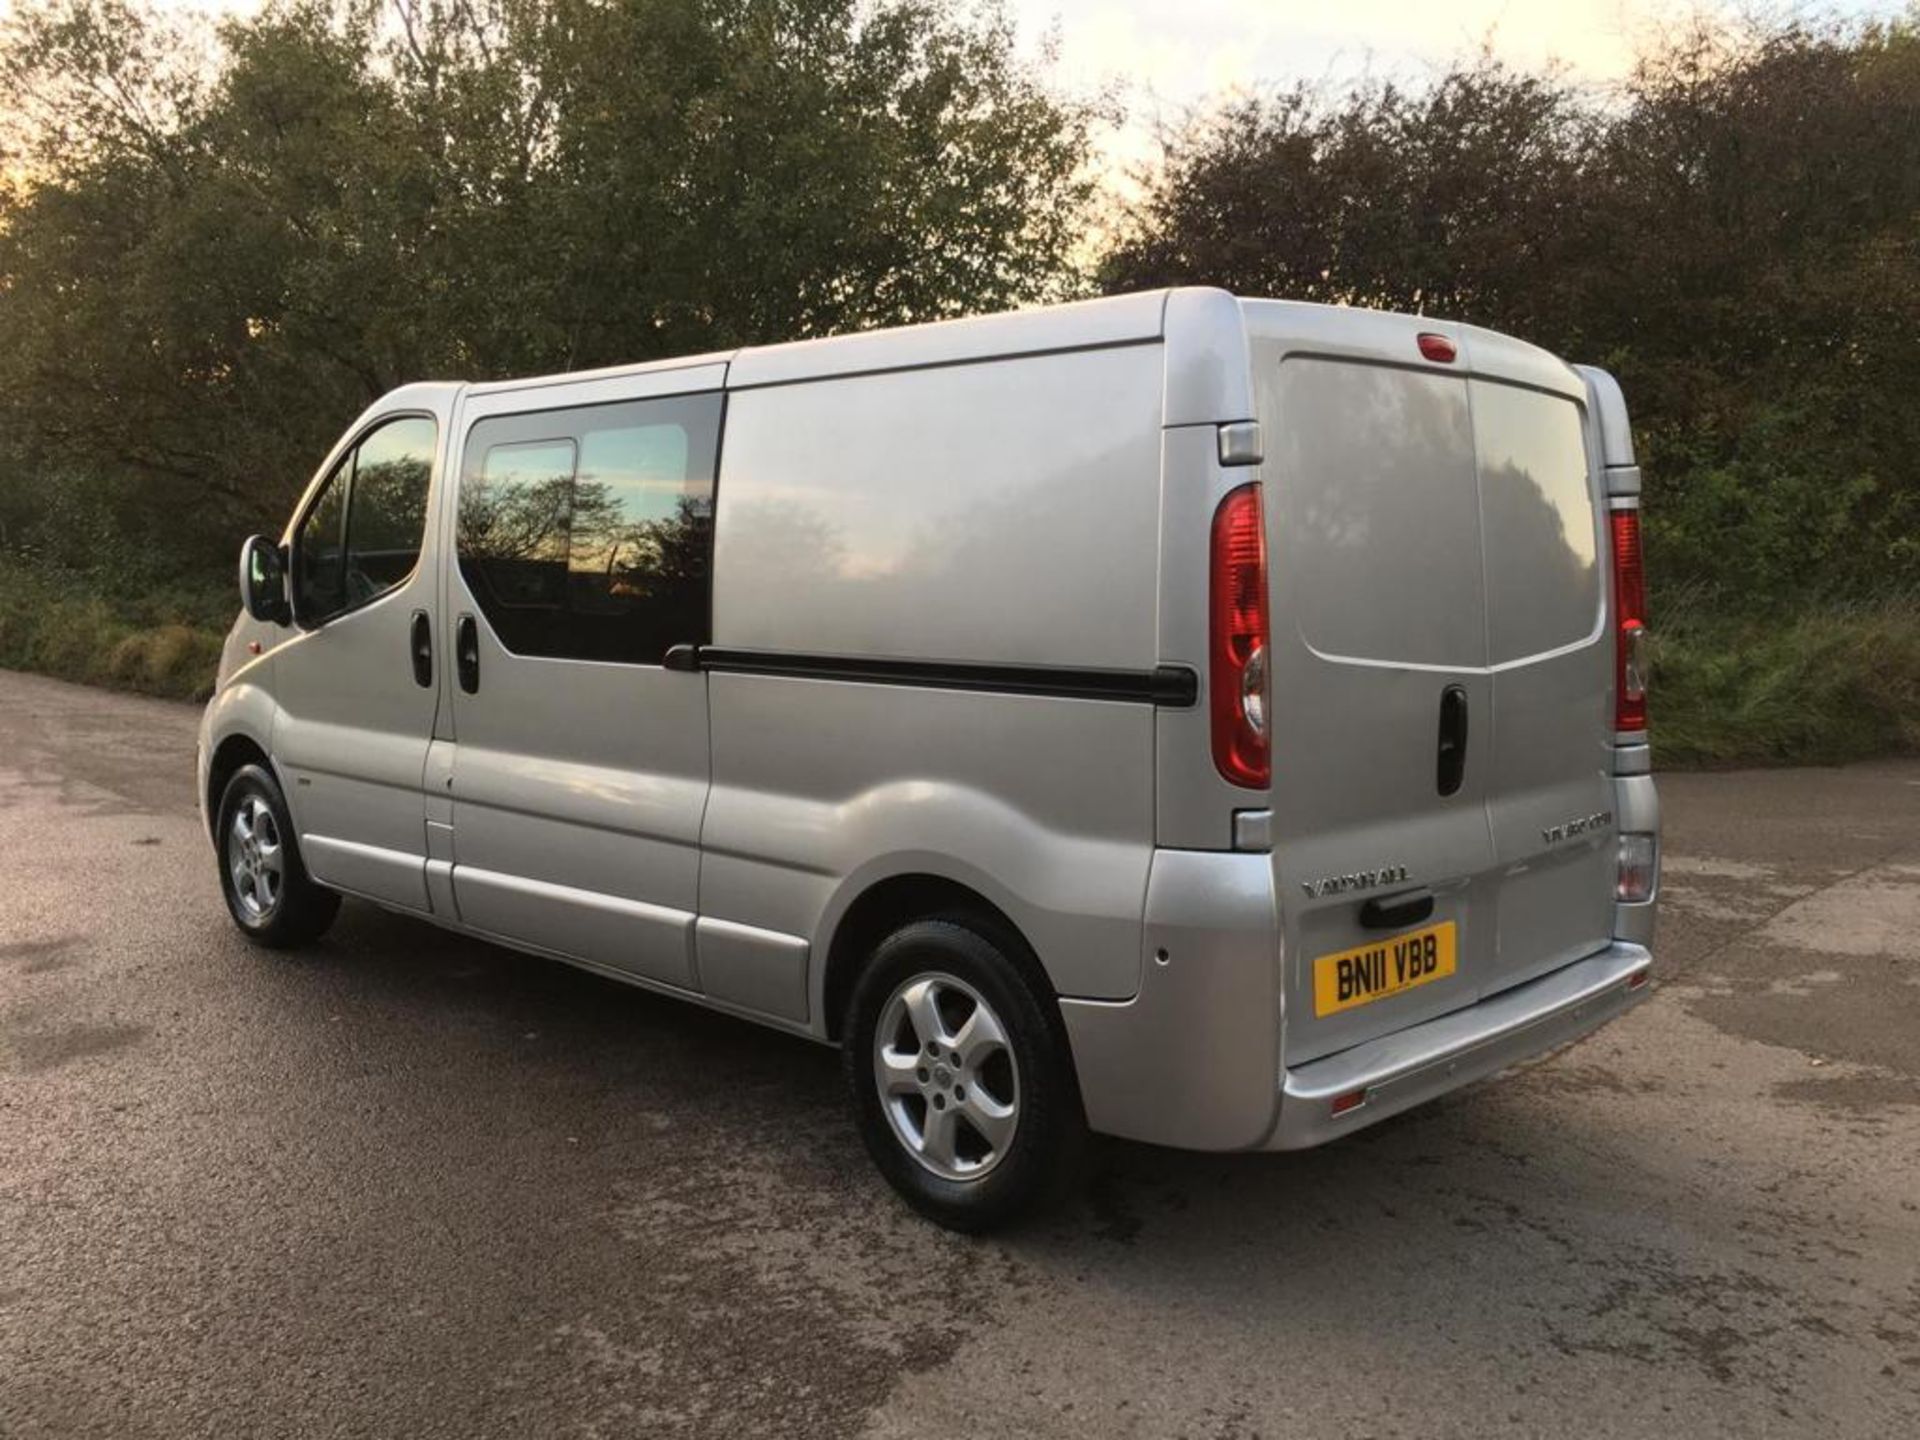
(879,905)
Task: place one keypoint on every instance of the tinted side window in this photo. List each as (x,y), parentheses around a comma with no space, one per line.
(361,537)
(319,550)
(586,534)
(388,512)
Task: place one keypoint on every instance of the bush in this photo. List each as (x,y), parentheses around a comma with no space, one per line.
(1825,683)
(59,624)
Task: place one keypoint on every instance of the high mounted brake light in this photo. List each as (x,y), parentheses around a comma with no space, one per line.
(1237,641)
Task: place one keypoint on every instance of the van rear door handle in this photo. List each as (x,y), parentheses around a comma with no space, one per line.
(1391,912)
(420,643)
(1452,767)
(466,653)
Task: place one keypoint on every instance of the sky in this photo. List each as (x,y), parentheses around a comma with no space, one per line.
(1160,57)
(1179,51)
(1185,48)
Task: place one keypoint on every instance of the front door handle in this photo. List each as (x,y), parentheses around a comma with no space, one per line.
(1452,767)
(420,643)
(466,653)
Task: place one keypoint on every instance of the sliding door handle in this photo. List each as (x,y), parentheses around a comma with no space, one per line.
(420,644)
(466,653)
(1452,766)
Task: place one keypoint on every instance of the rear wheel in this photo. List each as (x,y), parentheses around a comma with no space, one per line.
(960,1082)
(268,891)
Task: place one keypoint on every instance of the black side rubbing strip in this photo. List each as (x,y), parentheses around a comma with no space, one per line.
(1169,685)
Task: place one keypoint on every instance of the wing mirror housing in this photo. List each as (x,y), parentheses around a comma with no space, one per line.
(263,581)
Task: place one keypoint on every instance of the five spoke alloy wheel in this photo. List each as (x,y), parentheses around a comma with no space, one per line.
(949,1083)
(256,859)
(958,1071)
(268,891)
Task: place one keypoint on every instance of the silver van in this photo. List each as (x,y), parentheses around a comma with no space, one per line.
(1214,722)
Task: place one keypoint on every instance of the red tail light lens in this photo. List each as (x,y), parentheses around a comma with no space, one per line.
(1630,623)
(1237,646)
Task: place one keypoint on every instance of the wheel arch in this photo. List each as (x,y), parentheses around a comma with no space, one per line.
(229,757)
(886,904)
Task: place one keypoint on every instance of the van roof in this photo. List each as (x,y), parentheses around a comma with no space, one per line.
(1206,331)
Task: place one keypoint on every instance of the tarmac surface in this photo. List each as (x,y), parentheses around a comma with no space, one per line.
(405,1184)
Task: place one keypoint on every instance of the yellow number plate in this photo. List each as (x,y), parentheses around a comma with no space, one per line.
(1382,968)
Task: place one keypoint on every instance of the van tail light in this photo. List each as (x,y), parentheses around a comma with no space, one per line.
(1630,624)
(1237,641)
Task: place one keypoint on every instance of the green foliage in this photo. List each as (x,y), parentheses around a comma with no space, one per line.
(71,625)
(209,263)
(1834,681)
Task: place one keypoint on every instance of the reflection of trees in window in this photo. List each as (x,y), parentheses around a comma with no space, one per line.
(635,560)
(514,518)
(319,570)
(593,545)
(390,503)
(389,516)
(507,520)
(362,535)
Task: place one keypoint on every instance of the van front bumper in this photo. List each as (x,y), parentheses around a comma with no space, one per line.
(1193,1059)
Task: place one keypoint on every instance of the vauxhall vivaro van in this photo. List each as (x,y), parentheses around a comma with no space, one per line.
(1210,721)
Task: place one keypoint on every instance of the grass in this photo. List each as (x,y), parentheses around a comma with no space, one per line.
(1824,683)
(76,628)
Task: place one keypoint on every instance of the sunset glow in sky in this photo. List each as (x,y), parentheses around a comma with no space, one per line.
(1160,56)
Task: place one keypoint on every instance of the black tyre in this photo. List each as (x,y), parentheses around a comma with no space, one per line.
(959,1074)
(268,891)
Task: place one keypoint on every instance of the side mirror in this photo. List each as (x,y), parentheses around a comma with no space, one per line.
(263,581)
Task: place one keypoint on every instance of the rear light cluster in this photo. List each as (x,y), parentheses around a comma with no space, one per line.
(1630,624)
(1638,866)
(1237,641)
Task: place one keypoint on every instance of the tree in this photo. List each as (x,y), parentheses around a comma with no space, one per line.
(1736,234)
(217,248)
(1457,199)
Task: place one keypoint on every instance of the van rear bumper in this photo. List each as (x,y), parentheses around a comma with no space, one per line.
(1398,1071)
(1193,1060)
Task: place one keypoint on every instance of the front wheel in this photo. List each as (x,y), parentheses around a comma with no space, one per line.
(960,1083)
(268,891)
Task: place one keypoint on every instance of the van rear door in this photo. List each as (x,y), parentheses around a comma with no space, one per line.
(1549,786)
(1382,698)
(1441,673)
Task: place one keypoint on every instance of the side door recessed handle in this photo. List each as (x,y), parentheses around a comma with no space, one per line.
(1451,767)
(466,653)
(420,644)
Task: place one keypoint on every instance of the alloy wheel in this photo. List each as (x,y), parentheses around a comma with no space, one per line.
(948,1081)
